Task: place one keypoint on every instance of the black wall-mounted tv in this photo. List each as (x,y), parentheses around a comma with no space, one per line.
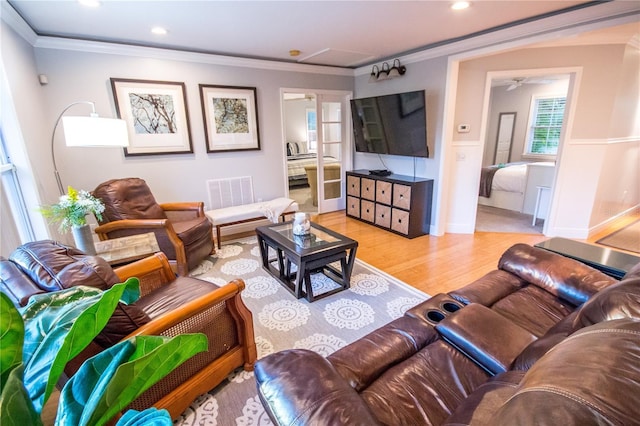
(391,124)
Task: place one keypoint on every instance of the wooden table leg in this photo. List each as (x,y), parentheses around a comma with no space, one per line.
(301,278)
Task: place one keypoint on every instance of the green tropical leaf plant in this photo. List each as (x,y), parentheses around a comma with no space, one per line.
(52,330)
(59,325)
(108,382)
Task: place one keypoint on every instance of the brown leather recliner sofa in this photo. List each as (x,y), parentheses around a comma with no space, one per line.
(168,306)
(542,340)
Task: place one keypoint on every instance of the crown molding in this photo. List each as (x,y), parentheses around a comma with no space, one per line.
(178,55)
(562,25)
(15,21)
(557,26)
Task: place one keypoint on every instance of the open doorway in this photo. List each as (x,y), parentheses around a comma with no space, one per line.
(301,144)
(318,148)
(525,120)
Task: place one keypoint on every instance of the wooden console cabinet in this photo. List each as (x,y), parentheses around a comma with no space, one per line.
(400,204)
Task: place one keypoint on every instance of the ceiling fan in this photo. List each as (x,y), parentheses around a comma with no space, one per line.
(516,82)
(298,96)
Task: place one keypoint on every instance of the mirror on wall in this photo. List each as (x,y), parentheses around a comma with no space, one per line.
(506,125)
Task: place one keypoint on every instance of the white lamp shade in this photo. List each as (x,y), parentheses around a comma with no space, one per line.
(95,131)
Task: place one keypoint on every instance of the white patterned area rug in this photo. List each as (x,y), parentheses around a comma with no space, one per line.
(283,322)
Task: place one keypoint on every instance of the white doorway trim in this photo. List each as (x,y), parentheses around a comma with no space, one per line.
(575,74)
(443,191)
(347,159)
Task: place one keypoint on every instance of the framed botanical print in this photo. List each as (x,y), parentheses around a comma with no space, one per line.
(156,115)
(230,116)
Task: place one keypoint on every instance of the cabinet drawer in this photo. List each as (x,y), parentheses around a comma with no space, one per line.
(383,215)
(353,206)
(368,189)
(401,196)
(383,192)
(367,210)
(353,186)
(400,221)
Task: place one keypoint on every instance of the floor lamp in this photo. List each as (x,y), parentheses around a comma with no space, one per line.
(88,131)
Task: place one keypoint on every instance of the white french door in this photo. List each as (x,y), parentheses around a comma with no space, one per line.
(334,151)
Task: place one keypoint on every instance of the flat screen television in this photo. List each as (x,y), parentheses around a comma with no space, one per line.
(391,124)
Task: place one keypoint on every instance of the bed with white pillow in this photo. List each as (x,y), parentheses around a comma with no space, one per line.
(512,186)
(297,158)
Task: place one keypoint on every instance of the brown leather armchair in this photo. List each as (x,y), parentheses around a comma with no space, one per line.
(168,306)
(183,232)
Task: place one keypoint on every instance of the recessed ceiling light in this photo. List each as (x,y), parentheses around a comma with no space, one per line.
(159,31)
(89,3)
(459,5)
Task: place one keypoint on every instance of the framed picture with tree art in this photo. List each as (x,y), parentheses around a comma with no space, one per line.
(156,116)
(230,117)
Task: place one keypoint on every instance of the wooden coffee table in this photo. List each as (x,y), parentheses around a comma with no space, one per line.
(119,251)
(311,253)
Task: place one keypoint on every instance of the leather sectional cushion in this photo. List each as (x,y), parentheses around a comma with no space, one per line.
(381,349)
(590,378)
(561,276)
(485,336)
(621,300)
(567,385)
(541,346)
(533,309)
(482,404)
(50,265)
(424,389)
(330,400)
(173,296)
(16,284)
(125,320)
(489,289)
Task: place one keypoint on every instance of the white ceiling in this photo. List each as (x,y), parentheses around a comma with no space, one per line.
(346,33)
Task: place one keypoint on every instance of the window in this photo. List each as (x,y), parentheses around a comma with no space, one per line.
(312,134)
(545,125)
(15,217)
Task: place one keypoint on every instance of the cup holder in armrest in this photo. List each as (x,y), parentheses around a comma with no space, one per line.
(434,316)
(435,309)
(451,307)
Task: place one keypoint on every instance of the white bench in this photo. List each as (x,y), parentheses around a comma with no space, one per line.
(231,203)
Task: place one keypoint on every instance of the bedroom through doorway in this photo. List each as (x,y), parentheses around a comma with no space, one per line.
(317,143)
(301,138)
(525,122)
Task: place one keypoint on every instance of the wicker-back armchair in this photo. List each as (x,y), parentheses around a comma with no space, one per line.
(178,305)
(168,306)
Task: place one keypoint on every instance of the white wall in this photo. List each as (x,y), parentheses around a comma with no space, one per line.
(621,156)
(583,152)
(23,115)
(430,76)
(518,101)
(295,112)
(76,75)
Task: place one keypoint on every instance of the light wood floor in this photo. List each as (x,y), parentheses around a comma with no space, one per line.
(434,264)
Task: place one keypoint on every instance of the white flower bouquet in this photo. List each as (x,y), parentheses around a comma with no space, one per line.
(72,209)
